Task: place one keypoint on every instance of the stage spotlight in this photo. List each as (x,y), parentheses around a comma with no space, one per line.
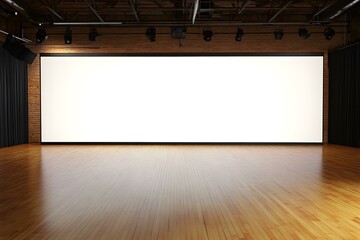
(178,33)
(151,34)
(304,33)
(278,34)
(10,38)
(329,33)
(68,36)
(93,34)
(207,33)
(239,34)
(41,35)
(10,12)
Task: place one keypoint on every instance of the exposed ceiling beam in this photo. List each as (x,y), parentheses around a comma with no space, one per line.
(196,8)
(344,9)
(132,4)
(280,11)
(22,8)
(47,5)
(324,8)
(14,4)
(94,10)
(55,13)
(244,6)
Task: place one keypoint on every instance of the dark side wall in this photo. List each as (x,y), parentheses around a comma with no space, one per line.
(355,25)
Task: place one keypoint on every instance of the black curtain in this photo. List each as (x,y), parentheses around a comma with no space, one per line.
(13,100)
(344,96)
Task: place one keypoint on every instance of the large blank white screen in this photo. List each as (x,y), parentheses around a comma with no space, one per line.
(182,99)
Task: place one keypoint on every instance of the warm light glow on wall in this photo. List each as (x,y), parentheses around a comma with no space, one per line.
(182,99)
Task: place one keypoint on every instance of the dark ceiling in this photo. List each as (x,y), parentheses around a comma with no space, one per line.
(143,12)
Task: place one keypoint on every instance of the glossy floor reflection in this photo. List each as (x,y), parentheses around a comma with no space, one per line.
(180,192)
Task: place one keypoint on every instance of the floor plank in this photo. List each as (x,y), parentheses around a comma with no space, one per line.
(198,192)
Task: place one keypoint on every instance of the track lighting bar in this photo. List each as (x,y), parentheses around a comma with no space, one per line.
(85,23)
(198,23)
(25,40)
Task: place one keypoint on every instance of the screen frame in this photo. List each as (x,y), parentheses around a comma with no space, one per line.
(224,54)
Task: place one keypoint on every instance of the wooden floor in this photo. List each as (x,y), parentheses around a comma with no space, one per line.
(180,192)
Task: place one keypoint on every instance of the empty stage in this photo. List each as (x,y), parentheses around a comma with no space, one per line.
(179,192)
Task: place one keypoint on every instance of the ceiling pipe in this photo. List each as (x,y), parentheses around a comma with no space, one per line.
(94,10)
(280,11)
(55,13)
(25,40)
(344,9)
(324,8)
(244,6)
(196,7)
(132,4)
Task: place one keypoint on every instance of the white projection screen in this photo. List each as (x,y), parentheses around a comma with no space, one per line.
(175,99)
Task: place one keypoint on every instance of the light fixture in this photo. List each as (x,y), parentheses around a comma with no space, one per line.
(10,38)
(178,32)
(151,34)
(207,34)
(239,34)
(278,34)
(10,12)
(329,33)
(13,13)
(41,35)
(304,33)
(93,34)
(68,35)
